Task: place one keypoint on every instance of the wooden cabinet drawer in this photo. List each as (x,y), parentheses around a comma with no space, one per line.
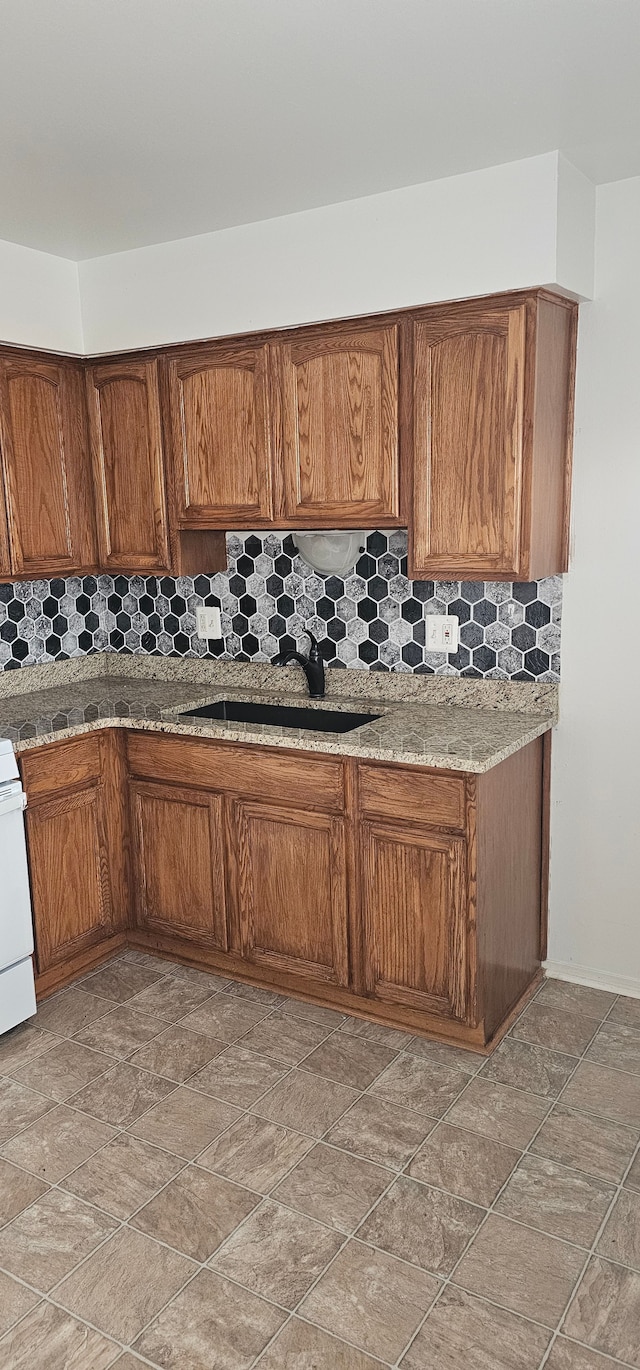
(270,775)
(63,765)
(406,792)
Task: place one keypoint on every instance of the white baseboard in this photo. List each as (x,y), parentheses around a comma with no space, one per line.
(595,979)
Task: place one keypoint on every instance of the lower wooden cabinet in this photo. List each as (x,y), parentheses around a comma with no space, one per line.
(178,862)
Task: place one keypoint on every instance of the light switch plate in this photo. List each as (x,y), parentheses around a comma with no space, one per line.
(442,632)
(208,622)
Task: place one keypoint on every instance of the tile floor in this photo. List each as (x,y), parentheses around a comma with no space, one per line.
(198,1175)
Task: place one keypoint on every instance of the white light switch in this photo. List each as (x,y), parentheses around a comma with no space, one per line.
(442,632)
(208,622)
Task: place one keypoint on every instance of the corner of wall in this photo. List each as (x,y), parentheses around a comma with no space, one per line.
(575,230)
(39,299)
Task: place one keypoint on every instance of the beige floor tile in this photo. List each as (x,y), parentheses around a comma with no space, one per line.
(545,1025)
(255,1153)
(371,1299)
(125,1284)
(464,1333)
(526,1271)
(18,1189)
(616,1045)
(48,1339)
(47,1240)
(19,1107)
(620,1240)
(633,1178)
(121,1032)
(185,1123)
(136,957)
(627,1012)
(301,1346)
(224,1018)
(377,1032)
(565,1203)
(473,1167)
(71,1011)
(123,1176)
(255,994)
(595,1145)
(422,1225)
(333,1187)
(285,1039)
(176,1053)
(120,980)
(15,1301)
(349,1060)
(57,1143)
(534,1069)
(128,1362)
(122,1095)
(211,1323)
(380,1131)
(23,1044)
(313,1013)
(277,1254)
(419,1085)
(195,1212)
(440,1054)
(594,1003)
(605,1312)
(238,1076)
(568,1355)
(173,998)
(64,1070)
(609,1093)
(504,1114)
(191,975)
(305,1101)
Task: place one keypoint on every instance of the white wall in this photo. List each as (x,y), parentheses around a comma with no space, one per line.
(523,224)
(595,851)
(39,299)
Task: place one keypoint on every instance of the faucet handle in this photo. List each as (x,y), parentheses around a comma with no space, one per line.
(313,654)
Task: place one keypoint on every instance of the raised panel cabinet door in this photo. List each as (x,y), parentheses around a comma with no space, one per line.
(178,862)
(414,918)
(47,470)
(220,435)
(339,417)
(291,890)
(70,879)
(468,443)
(128,462)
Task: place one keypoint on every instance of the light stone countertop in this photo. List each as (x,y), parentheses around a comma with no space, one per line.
(446,722)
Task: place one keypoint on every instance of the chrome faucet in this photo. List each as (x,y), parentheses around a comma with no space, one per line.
(312,665)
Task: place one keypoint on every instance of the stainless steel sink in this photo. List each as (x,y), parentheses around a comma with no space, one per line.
(283,715)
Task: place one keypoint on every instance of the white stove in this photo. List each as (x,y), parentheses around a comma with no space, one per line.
(17,991)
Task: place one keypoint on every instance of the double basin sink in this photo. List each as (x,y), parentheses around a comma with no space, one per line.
(282,715)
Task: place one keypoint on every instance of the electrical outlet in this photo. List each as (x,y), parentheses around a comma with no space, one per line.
(208,622)
(442,632)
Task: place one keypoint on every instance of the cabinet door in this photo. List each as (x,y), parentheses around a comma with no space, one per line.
(128,460)
(70,884)
(339,415)
(468,408)
(291,890)
(178,862)
(414,917)
(220,435)
(47,473)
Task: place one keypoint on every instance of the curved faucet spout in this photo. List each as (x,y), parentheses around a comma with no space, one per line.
(313,666)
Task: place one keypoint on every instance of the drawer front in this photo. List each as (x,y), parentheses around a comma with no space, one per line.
(409,793)
(60,766)
(271,775)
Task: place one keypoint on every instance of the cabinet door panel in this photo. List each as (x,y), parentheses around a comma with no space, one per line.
(339,398)
(70,887)
(220,426)
(291,890)
(126,437)
(47,470)
(468,442)
(178,860)
(414,920)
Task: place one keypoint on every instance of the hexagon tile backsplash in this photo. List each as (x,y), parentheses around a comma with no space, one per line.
(373,619)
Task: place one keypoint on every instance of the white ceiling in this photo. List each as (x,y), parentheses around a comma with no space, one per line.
(128,122)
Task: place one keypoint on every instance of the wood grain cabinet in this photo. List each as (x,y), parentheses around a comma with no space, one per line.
(178,862)
(128,465)
(49,528)
(491,436)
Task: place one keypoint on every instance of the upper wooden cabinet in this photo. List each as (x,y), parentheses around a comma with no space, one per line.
(50,527)
(490,459)
(128,464)
(339,403)
(219,423)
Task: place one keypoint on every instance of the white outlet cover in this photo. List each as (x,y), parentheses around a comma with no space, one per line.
(442,632)
(208,622)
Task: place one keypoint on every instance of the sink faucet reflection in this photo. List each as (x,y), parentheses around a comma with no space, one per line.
(312,665)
